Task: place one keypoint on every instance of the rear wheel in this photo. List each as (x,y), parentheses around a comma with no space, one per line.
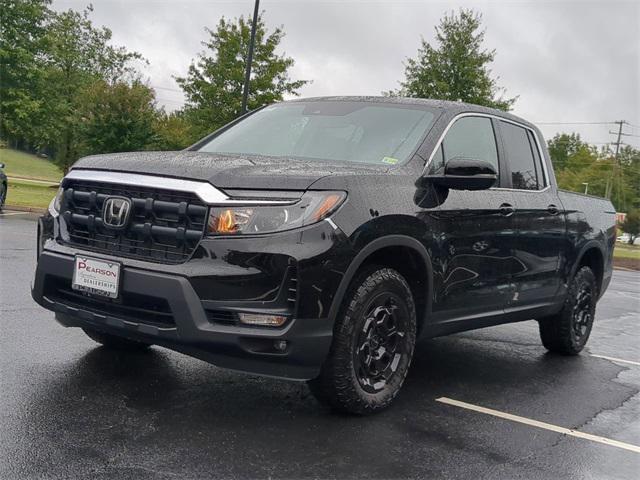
(373,344)
(567,332)
(115,342)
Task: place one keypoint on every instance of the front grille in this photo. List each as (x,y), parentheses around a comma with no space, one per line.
(164,226)
(223,317)
(292,287)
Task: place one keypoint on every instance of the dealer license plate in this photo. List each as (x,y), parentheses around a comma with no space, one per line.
(98,277)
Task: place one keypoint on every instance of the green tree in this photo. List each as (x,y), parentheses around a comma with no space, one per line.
(172,131)
(561,146)
(213,84)
(116,117)
(631,225)
(457,67)
(577,163)
(629,159)
(22,32)
(585,166)
(78,54)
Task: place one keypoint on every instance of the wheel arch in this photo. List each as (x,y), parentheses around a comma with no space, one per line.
(386,252)
(591,255)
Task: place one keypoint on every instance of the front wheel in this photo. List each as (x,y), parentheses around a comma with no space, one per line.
(567,332)
(373,342)
(3,195)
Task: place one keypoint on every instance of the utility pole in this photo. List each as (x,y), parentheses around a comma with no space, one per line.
(247,72)
(614,169)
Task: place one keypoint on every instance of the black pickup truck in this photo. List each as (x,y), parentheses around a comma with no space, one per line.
(3,186)
(318,239)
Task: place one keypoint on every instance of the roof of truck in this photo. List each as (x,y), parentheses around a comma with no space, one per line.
(445,105)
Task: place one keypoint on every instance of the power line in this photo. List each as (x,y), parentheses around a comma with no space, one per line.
(575,123)
(176,102)
(167,89)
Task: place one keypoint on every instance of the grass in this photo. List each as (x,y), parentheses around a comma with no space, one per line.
(20,167)
(623,250)
(29,194)
(25,165)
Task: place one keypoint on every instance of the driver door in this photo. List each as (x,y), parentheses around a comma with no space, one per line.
(474,232)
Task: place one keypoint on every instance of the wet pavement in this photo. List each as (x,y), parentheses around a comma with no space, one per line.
(71,409)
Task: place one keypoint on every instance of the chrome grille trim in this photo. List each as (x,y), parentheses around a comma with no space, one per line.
(204,190)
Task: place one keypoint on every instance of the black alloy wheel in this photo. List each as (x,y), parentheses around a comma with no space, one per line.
(381,342)
(567,331)
(582,311)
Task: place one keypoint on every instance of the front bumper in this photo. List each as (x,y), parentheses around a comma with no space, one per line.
(178,306)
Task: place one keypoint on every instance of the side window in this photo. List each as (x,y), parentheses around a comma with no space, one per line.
(471,137)
(520,155)
(542,182)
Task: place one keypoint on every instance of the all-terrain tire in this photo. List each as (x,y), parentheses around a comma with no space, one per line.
(567,332)
(115,342)
(373,341)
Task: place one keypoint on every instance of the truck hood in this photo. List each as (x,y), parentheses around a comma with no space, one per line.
(226,171)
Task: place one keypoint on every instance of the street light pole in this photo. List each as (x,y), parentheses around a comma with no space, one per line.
(586,187)
(247,73)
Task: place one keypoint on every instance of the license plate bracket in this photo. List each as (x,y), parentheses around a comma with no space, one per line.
(96,276)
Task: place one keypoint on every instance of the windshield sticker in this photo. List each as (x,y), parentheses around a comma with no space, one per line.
(390,160)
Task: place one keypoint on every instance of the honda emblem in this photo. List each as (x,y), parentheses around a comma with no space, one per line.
(115,212)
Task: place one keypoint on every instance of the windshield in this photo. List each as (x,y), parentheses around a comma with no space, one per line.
(363,132)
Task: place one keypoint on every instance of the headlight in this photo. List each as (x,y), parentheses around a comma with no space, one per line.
(56,203)
(311,208)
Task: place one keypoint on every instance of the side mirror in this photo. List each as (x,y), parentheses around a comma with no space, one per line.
(462,173)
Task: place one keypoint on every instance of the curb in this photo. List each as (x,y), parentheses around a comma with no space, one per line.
(20,208)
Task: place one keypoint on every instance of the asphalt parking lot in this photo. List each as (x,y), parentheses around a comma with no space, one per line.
(70,409)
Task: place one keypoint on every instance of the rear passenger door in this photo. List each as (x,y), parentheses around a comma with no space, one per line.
(538,218)
(473,232)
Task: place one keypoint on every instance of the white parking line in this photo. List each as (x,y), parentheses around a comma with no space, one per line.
(13,213)
(536,423)
(612,359)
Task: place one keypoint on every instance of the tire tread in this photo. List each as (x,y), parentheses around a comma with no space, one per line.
(335,387)
(556,330)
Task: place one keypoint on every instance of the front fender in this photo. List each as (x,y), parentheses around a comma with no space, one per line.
(369,249)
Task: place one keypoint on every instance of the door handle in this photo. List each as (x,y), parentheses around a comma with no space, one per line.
(506,209)
(553,210)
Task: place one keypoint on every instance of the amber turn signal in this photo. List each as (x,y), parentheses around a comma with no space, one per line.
(327,205)
(226,222)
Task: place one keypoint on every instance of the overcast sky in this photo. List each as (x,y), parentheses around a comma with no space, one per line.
(569,61)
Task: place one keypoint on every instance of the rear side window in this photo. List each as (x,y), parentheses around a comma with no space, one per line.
(542,181)
(469,137)
(523,157)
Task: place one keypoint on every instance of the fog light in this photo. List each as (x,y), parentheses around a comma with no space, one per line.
(280,345)
(263,320)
